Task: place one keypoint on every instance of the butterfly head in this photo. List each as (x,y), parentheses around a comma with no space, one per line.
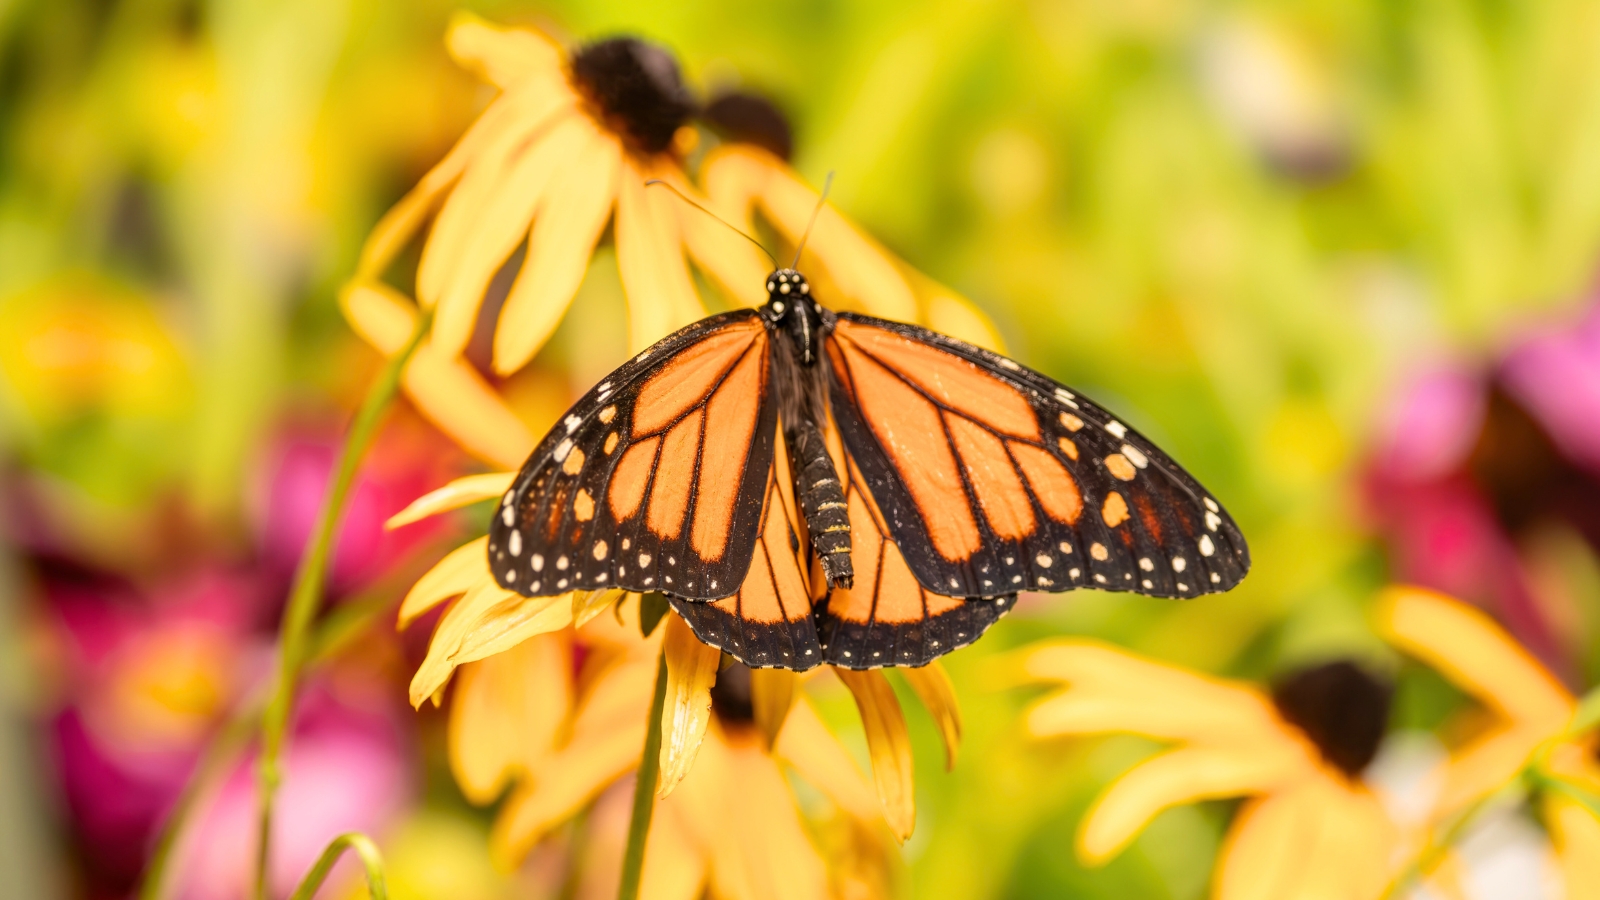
(790,307)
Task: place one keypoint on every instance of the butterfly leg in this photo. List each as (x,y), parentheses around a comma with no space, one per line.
(822,500)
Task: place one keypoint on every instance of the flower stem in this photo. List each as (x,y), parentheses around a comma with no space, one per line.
(305,597)
(644,791)
(1433,853)
(371,861)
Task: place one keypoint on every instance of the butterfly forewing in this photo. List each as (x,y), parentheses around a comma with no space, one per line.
(768,623)
(992,478)
(655,480)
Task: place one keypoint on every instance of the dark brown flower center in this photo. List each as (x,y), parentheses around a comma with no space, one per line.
(636,91)
(730,696)
(1341,707)
(750,119)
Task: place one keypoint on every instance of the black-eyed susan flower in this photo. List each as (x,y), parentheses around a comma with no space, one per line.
(1532,714)
(1310,828)
(516,636)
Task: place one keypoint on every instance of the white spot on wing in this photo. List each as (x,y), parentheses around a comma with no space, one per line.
(562,449)
(1212,521)
(1179,564)
(514,543)
(538,562)
(1117,428)
(1008,364)
(1212,505)
(1206,547)
(572,423)
(508,517)
(1135,455)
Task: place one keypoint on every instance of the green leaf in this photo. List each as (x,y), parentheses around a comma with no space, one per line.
(652,607)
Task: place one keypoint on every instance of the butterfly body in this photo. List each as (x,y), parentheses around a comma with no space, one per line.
(809,486)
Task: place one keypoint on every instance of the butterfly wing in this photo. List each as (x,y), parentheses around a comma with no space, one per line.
(768,623)
(993,478)
(886,617)
(655,480)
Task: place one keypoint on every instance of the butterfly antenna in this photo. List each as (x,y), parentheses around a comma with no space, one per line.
(685,198)
(826,185)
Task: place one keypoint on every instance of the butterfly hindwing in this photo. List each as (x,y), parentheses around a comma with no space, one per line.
(655,480)
(993,478)
(768,623)
(886,618)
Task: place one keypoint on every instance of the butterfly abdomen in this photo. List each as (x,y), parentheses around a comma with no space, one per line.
(822,500)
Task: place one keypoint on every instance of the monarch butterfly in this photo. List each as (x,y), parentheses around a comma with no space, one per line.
(808,486)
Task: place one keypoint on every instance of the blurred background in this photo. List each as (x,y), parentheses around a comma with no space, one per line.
(1338,258)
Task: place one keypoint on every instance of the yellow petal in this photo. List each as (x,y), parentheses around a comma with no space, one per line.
(1177,777)
(464,567)
(447,390)
(1485,764)
(951,314)
(566,227)
(1575,831)
(439,664)
(806,744)
(588,604)
(1113,690)
(501,224)
(1318,839)
(661,296)
(674,863)
(889,745)
(1468,648)
(938,695)
(737,266)
(504,57)
(507,713)
(607,735)
(771,695)
(510,622)
(531,116)
(461,492)
(777,857)
(861,270)
(691,671)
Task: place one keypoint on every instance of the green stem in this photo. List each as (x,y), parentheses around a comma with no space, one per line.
(305,597)
(1431,855)
(644,791)
(371,860)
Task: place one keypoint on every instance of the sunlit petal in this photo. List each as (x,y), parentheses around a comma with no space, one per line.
(1178,777)
(502,56)
(461,492)
(457,573)
(1484,764)
(735,174)
(447,390)
(507,712)
(772,693)
(509,623)
(1467,647)
(806,744)
(607,735)
(948,313)
(674,863)
(1266,847)
(938,695)
(537,113)
(779,859)
(458,620)
(889,745)
(737,266)
(691,671)
(566,227)
(1319,839)
(1575,831)
(661,296)
(588,604)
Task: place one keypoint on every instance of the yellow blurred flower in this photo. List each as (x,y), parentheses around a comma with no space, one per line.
(519,716)
(1532,713)
(1311,827)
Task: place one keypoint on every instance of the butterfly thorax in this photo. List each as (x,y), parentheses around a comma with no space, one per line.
(791,307)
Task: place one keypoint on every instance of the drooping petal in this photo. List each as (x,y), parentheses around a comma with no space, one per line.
(538,112)
(1177,777)
(691,671)
(461,492)
(509,623)
(566,227)
(447,390)
(505,57)
(507,713)
(607,735)
(1575,831)
(1468,648)
(439,664)
(1111,690)
(771,696)
(736,174)
(806,744)
(588,604)
(938,696)
(501,224)
(464,567)
(661,296)
(889,745)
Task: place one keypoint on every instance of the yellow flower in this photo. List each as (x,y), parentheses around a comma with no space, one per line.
(1531,709)
(565,148)
(1311,828)
(505,726)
